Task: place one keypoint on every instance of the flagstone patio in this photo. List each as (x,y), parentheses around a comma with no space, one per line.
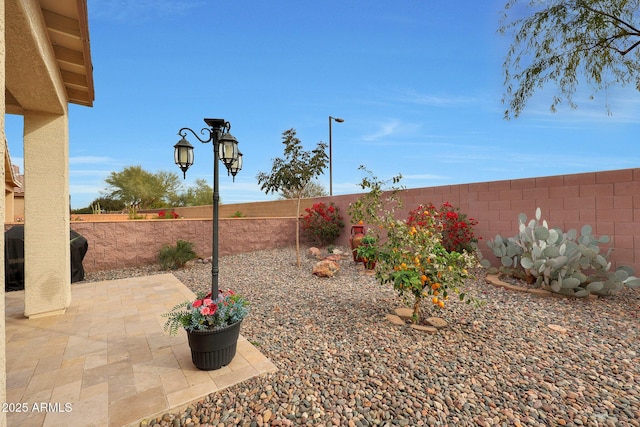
(107,361)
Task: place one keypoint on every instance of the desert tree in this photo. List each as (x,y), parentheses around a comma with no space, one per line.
(293,173)
(137,188)
(560,41)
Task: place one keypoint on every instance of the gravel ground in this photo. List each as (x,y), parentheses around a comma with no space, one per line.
(340,363)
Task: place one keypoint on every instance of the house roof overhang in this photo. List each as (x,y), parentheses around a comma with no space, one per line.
(48,55)
(10,179)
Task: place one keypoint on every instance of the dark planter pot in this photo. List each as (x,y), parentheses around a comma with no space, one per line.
(214,349)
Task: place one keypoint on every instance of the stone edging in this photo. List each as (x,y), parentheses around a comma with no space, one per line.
(402,317)
(493,279)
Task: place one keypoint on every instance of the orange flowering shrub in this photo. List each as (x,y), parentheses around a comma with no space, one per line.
(415,262)
(413,254)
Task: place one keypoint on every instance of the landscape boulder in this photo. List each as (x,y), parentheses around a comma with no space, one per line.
(326,268)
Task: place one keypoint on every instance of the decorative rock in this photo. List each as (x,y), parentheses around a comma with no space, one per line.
(355,365)
(423,328)
(334,257)
(404,313)
(326,268)
(395,319)
(313,252)
(338,252)
(436,322)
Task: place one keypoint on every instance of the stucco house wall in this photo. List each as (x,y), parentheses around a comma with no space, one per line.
(45,64)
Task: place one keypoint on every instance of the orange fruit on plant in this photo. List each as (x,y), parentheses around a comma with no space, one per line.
(441,304)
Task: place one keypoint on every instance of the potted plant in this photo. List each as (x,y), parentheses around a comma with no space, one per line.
(212,327)
(368,252)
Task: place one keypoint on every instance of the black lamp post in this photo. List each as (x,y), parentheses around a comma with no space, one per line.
(331,154)
(225,148)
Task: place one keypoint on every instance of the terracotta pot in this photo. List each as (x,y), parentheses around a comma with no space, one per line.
(369,264)
(213,349)
(357,233)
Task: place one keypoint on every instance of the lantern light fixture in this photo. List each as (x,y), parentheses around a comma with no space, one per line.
(225,149)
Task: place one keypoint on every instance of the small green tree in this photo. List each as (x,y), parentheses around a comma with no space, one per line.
(294,172)
(313,189)
(371,207)
(199,194)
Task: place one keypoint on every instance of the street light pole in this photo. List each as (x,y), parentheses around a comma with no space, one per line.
(339,120)
(225,148)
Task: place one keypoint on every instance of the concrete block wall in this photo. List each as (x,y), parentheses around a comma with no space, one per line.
(609,201)
(270,209)
(128,243)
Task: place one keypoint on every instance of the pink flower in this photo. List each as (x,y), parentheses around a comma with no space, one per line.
(197,303)
(209,310)
(207,301)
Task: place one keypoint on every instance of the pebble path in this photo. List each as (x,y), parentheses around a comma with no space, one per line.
(519,360)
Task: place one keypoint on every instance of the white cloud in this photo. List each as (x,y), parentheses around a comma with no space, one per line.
(384,131)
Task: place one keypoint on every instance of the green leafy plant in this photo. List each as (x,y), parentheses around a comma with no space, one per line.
(367,251)
(322,223)
(175,257)
(378,202)
(133,214)
(411,258)
(566,263)
(418,266)
(206,313)
(237,214)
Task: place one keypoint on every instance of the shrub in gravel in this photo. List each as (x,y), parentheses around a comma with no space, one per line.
(415,262)
(175,257)
(322,223)
(412,255)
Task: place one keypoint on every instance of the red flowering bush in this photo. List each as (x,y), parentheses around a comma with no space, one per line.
(454,226)
(322,223)
(167,215)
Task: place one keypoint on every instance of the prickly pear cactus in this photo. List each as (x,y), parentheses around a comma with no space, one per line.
(565,263)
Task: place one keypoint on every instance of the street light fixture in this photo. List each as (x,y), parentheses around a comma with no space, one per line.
(225,148)
(339,120)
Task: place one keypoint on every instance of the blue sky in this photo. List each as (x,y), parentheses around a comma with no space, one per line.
(419,85)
